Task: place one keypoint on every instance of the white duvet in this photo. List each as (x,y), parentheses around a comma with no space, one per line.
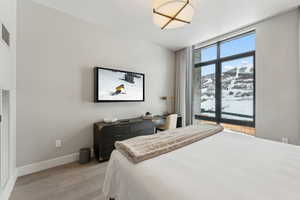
(226,166)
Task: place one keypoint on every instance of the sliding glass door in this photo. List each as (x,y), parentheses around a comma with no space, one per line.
(224,81)
(237,89)
(206,91)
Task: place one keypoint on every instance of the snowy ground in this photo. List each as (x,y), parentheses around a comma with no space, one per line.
(109,80)
(242,106)
(239,106)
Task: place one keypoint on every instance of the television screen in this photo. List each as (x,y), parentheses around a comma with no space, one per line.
(118,86)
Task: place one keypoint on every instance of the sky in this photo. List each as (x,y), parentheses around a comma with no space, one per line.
(228,48)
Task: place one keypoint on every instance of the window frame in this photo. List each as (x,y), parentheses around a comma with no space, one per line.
(218,88)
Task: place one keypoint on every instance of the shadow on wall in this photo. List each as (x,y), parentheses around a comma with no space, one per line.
(84,134)
(87,84)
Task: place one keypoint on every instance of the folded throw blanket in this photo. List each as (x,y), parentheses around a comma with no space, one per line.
(143,148)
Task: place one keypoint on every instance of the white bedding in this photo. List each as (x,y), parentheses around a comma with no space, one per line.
(226,166)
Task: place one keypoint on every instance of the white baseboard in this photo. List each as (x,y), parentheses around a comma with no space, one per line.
(40,166)
(47,164)
(9,186)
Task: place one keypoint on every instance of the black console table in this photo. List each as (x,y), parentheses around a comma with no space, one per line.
(106,134)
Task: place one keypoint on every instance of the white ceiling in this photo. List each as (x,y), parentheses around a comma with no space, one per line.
(134,17)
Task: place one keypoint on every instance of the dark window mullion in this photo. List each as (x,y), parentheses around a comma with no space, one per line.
(254,88)
(225,59)
(205,63)
(206,118)
(238,122)
(218,85)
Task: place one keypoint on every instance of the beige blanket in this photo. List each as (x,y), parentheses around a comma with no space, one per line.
(143,148)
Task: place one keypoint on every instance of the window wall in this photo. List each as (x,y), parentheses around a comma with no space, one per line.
(224,81)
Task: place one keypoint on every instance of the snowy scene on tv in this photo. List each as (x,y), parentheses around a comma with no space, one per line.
(120,86)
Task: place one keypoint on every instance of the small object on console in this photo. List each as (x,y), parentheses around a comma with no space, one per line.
(110,120)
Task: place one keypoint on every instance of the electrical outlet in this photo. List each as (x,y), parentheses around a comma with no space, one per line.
(58,143)
(285,140)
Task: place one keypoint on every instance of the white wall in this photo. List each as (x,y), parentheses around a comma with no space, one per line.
(8,82)
(277,78)
(56,56)
(277,75)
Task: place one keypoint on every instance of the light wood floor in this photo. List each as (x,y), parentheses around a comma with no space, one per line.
(72,181)
(68,182)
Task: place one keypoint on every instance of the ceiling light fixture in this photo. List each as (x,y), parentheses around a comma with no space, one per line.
(169,14)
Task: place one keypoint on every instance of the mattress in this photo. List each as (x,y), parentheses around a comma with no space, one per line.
(225,166)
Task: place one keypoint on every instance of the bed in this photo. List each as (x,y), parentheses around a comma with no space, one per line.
(225,166)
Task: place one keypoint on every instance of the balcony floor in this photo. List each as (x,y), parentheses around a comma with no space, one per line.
(238,128)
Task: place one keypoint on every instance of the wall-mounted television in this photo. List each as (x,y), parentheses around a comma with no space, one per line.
(112,85)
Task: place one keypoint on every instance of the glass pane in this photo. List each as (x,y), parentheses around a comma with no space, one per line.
(238,45)
(238,89)
(204,91)
(209,53)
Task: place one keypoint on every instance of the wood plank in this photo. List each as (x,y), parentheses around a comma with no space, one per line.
(68,182)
